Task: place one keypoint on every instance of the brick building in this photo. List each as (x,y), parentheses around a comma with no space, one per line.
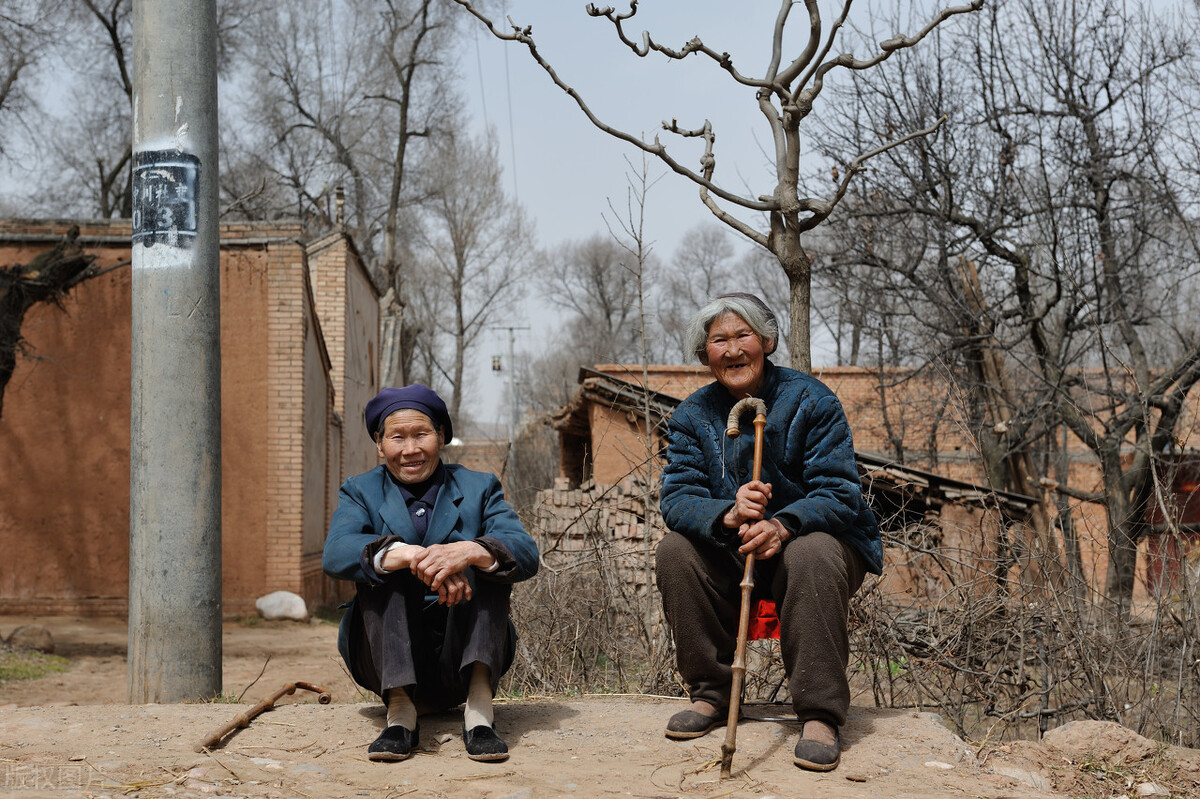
(920,468)
(299,348)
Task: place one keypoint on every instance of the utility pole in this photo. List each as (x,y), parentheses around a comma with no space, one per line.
(510,468)
(513,417)
(175,414)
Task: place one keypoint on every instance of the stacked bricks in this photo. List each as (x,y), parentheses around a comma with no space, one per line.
(621,521)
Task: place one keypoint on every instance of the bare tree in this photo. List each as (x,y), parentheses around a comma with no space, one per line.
(353,86)
(785,94)
(90,139)
(548,380)
(701,268)
(26,29)
(75,135)
(595,281)
(628,230)
(313,110)
(1037,227)
(476,246)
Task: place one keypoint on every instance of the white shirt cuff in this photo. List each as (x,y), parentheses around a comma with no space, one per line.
(377,561)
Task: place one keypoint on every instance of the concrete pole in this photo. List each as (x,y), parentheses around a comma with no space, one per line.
(175,448)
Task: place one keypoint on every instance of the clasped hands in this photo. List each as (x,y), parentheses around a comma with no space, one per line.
(442,567)
(761,537)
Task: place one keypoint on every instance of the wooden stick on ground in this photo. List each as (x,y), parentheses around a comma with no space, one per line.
(243,719)
(747,586)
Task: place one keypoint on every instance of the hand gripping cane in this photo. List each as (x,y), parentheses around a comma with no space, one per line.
(747,584)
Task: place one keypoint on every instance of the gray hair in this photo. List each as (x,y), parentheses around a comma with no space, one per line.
(754,311)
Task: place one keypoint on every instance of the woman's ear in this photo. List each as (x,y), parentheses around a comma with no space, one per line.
(769,346)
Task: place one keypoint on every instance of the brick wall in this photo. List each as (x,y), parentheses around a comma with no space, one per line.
(285,341)
(327,270)
(64,436)
(360,378)
(348,306)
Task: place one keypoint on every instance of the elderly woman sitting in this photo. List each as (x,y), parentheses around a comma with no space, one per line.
(433,550)
(811,532)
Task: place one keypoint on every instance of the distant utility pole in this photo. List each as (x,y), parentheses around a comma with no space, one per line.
(513,416)
(175,446)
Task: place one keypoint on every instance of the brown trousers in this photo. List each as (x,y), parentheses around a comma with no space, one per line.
(811,582)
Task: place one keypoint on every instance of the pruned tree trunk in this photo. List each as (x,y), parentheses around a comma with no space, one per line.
(1123,535)
(786,91)
(47,278)
(797,265)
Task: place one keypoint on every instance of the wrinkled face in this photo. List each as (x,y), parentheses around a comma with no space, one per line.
(734,353)
(410,445)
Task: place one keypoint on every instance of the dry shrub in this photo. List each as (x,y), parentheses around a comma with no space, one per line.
(589,623)
(965,633)
(1002,657)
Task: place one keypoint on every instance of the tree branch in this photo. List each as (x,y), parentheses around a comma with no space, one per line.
(648,45)
(821,209)
(46,278)
(888,46)
(525,37)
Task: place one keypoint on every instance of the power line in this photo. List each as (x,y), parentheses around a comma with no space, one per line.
(512,134)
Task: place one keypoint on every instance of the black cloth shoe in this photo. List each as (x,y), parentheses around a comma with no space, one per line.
(394,743)
(816,756)
(484,744)
(689,724)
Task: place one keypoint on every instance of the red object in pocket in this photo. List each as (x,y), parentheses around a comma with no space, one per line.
(764,621)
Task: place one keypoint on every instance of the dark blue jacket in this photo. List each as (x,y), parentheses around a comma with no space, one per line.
(372,513)
(808,458)
(469,506)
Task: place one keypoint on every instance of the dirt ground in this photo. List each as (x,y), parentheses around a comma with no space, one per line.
(70,734)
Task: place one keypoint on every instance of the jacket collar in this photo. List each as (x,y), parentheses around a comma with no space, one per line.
(443,521)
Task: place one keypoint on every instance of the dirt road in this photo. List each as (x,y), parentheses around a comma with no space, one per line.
(71,735)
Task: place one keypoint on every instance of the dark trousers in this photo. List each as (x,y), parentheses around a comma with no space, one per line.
(811,582)
(394,636)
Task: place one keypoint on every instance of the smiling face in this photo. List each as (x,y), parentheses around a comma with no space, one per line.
(410,445)
(734,353)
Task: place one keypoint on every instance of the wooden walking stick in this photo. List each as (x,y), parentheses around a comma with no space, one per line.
(747,584)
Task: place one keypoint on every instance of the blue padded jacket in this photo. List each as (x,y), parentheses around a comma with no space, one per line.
(808,458)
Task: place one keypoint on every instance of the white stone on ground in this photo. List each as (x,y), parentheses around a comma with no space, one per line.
(282,605)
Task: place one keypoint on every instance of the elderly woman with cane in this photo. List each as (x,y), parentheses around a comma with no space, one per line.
(805,523)
(433,549)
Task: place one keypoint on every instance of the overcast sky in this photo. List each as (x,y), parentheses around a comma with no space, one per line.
(562,167)
(566,172)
